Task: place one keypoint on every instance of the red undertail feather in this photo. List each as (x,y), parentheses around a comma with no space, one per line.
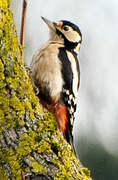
(61,117)
(61,114)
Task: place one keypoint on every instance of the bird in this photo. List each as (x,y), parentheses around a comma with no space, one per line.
(55,72)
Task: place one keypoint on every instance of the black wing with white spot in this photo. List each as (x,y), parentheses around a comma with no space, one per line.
(70,102)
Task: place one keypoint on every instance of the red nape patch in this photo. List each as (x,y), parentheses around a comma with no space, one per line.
(61,117)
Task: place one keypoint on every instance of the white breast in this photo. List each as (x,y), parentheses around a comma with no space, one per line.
(46,69)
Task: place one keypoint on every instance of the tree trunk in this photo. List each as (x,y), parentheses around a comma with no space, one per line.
(31,146)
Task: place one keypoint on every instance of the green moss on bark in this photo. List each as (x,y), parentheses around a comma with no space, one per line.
(30,141)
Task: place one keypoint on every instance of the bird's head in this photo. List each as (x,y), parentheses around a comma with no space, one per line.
(65,32)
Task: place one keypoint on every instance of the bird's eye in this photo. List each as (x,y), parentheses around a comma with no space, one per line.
(66,28)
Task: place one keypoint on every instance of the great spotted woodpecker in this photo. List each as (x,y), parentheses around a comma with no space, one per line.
(55,72)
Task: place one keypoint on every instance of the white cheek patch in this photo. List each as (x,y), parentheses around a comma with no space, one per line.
(73,36)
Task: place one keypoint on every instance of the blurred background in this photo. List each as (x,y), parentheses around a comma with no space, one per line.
(96,125)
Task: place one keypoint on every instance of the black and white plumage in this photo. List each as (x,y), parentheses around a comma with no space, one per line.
(55,72)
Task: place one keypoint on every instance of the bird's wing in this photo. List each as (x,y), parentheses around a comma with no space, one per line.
(70,88)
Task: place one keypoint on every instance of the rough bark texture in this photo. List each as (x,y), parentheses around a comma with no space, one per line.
(30,142)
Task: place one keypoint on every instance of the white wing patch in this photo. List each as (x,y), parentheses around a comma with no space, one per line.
(75,73)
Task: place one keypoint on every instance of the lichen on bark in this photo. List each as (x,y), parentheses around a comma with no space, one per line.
(30,142)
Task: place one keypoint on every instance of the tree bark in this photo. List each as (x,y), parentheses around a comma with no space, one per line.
(31,146)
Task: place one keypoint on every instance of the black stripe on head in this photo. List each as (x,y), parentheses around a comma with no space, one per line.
(68,44)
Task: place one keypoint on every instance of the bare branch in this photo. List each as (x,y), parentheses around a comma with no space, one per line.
(23,25)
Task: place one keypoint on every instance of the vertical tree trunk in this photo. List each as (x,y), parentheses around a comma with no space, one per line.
(31,146)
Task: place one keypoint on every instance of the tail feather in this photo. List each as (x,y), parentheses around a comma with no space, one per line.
(69,137)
